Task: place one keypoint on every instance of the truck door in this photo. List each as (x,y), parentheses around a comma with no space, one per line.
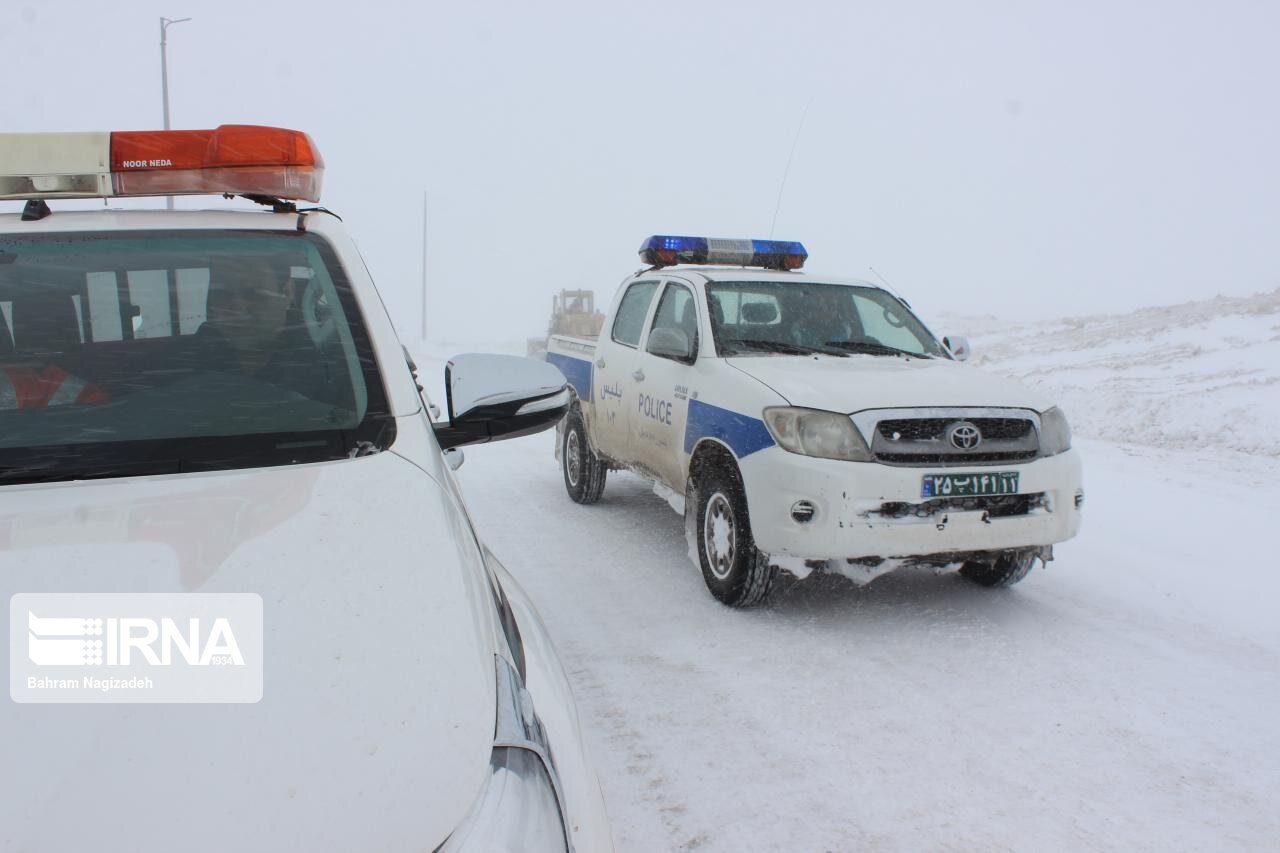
(616,369)
(661,408)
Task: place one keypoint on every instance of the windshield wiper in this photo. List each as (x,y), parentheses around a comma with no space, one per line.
(870,348)
(783,347)
(53,471)
(186,454)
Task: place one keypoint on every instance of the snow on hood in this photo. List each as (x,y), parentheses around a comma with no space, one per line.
(883,382)
(376,720)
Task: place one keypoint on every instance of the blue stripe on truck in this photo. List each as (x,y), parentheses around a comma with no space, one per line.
(743,433)
(577,370)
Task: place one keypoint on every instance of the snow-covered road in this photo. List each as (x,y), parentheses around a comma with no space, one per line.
(1124,698)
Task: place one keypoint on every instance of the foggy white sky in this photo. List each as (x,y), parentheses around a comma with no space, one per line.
(1004,158)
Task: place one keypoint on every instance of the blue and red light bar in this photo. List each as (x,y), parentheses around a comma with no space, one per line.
(665,251)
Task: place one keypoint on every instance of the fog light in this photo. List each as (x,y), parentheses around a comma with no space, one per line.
(802,512)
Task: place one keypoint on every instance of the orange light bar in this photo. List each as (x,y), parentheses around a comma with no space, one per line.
(239,159)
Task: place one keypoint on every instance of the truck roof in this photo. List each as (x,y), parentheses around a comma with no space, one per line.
(147,220)
(692,272)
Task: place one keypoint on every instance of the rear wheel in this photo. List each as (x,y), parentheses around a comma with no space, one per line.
(1004,568)
(584,472)
(735,571)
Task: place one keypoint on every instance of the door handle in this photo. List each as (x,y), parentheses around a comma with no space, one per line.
(638,375)
(599,362)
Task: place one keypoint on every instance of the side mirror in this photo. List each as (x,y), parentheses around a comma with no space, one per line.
(671,343)
(958,346)
(493,397)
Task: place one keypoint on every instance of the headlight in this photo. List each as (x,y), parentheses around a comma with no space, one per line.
(1055,434)
(519,806)
(812,432)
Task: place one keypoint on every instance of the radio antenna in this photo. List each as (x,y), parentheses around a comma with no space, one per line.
(885,282)
(787,171)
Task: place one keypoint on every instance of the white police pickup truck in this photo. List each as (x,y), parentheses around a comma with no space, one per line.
(206,416)
(810,423)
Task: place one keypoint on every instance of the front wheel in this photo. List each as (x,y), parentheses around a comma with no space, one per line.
(584,472)
(1004,568)
(735,571)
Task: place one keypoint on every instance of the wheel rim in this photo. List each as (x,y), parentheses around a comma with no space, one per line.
(572,458)
(719,535)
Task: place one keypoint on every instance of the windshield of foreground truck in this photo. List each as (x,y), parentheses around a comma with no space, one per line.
(162,352)
(807,317)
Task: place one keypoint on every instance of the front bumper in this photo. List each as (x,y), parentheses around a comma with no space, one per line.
(848,499)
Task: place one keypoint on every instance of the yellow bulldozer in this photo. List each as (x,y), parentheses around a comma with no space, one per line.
(573,312)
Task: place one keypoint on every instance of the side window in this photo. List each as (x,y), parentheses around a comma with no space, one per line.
(104,307)
(149,293)
(885,324)
(676,311)
(192,286)
(724,306)
(153,299)
(735,307)
(6,326)
(629,322)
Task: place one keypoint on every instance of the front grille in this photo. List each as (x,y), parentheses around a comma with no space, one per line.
(955,458)
(921,429)
(924,441)
(995,506)
(924,429)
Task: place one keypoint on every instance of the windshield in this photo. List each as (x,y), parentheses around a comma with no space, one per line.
(178,351)
(800,318)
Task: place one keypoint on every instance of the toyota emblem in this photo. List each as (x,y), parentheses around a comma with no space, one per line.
(964,436)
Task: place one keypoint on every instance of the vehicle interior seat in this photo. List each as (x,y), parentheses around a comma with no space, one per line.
(760,321)
(759,312)
(46,326)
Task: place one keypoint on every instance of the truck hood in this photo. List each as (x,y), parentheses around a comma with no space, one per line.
(376,720)
(861,382)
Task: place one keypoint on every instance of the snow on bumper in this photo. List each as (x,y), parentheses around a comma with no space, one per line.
(873,510)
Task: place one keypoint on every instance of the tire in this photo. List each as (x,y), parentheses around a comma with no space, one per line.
(735,571)
(1005,568)
(584,472)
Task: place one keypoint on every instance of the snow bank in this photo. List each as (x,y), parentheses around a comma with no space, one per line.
(1199,375)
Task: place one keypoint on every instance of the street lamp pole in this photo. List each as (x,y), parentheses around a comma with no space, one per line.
(165,23)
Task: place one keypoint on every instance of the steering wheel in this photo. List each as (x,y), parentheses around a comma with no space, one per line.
(893,318)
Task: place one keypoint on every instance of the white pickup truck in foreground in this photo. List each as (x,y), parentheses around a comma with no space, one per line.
(810,423)
(212,438)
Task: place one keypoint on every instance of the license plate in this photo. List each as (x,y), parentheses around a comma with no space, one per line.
(968,485)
